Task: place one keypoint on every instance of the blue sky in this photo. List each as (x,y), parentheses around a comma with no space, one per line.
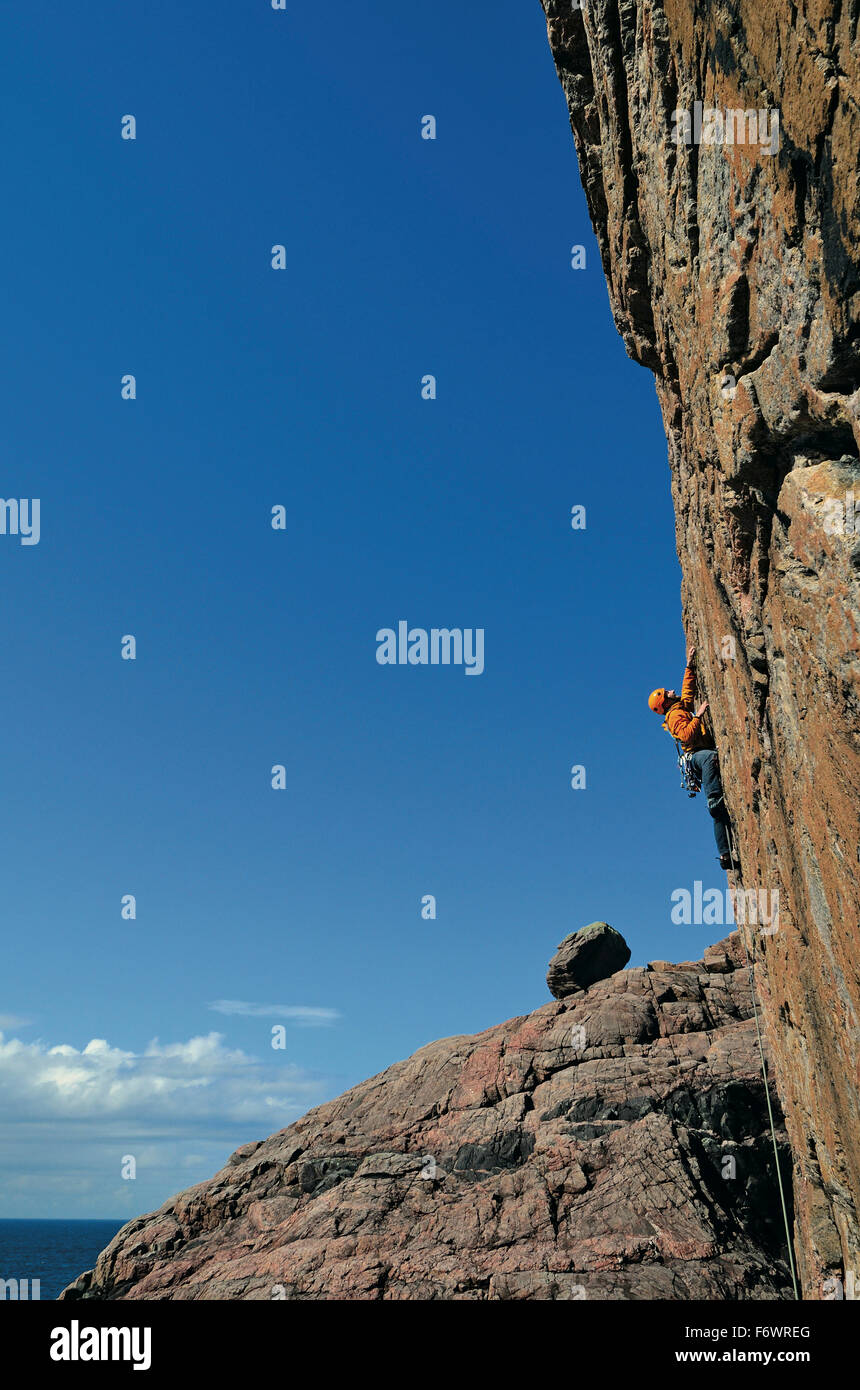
(301,387)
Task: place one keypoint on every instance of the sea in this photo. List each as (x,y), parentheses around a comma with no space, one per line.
(39,1258)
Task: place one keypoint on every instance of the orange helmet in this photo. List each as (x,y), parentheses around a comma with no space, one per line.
(657,701)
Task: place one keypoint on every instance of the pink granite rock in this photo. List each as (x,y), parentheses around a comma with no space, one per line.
(611,1145)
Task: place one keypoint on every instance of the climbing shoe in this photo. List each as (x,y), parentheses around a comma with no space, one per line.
(728,863)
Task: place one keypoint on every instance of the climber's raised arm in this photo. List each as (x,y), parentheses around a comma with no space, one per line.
(688,685)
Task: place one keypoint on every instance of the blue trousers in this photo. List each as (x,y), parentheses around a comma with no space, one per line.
(707,765)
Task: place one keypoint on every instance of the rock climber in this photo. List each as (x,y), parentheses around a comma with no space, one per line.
(688,729)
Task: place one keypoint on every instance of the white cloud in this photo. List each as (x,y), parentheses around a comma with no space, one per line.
(68,1116)
(190,1083)
(8,1021)
(300,1014)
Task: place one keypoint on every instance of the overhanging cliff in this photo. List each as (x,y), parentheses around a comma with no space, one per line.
(718,147)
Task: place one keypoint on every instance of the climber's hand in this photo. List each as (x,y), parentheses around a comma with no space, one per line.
(691,655)
(702,709)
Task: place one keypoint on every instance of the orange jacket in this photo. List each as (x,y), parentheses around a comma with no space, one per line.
(682,723)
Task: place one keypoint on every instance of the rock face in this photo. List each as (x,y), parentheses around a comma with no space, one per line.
(734,275)
(612,1145)
(586,956)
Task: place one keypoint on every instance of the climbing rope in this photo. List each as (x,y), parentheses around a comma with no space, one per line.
(751,975)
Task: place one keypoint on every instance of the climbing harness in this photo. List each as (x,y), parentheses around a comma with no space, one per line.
(751,976)
(690,781)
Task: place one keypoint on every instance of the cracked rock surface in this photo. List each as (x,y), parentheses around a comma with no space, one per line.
(734,276)
(614,1145)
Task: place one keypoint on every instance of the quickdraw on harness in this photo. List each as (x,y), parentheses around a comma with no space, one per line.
(690,780)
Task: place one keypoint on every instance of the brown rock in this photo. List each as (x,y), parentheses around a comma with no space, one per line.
(584,957)
(734,275)
(579,1151)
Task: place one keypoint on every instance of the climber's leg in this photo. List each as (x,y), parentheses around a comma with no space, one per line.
(708,766)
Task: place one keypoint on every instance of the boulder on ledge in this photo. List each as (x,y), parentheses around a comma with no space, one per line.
(593,953)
